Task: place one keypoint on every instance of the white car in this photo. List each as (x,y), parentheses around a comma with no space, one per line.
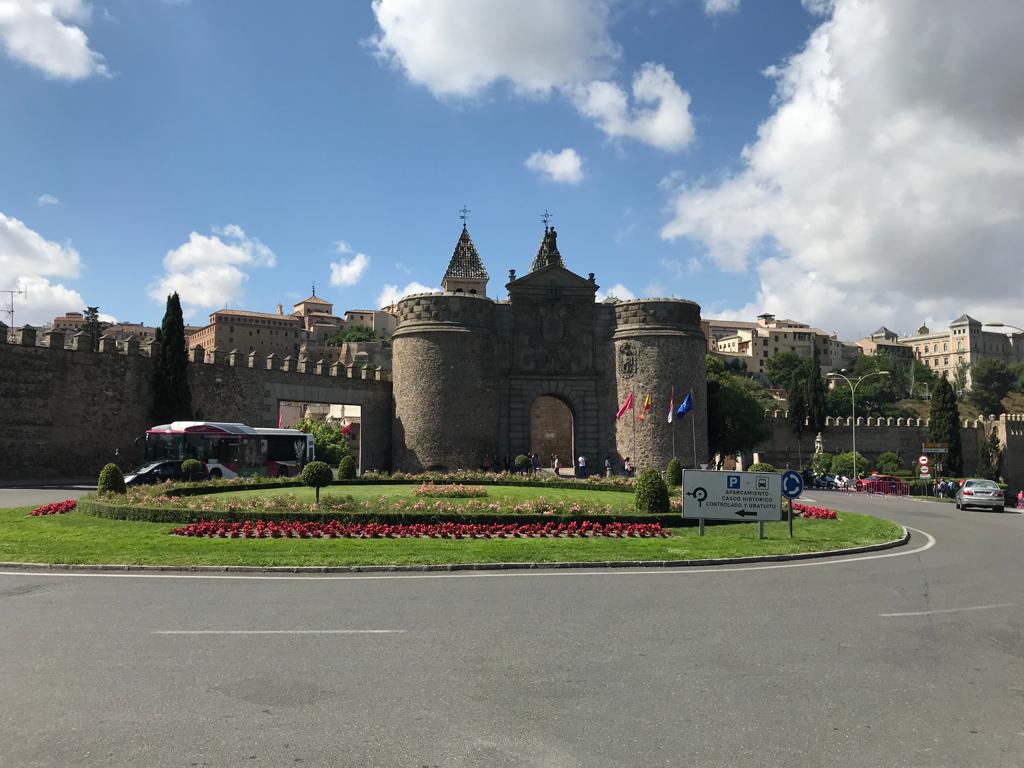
(976,492)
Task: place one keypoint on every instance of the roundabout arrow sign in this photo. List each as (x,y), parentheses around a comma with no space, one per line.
(792,484)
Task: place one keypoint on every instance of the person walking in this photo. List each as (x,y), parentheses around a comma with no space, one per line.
(557,466)
(581,466)
(608,466)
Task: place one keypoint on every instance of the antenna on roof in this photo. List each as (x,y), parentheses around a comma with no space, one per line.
(464,215)
(546,218)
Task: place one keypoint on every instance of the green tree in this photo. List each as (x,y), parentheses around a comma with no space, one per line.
(347,468)
(990,457)
(172,396)
(991,381)
(961,374)
(330,444)
(822,463)
(651,494)
(355,333)
(888,463)
(816,408)
(91,326)
(674,472)
(316,475)
(736,420)
(944,426)
(783,368)
(843,464)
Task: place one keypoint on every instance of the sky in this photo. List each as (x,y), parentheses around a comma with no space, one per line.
(849,164)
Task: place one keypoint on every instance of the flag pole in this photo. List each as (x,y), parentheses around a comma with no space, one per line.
(693,427)
(633,412)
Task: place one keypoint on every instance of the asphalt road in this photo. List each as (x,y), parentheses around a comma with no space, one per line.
(34,497)
(911,657)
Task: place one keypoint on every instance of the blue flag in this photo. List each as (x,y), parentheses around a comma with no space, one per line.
(686,405)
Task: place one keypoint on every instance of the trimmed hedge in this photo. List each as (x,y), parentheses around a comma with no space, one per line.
(111,480)
(98,508)
(651,494)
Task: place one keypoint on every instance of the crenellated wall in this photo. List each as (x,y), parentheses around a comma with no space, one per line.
(64,412)
(902,436)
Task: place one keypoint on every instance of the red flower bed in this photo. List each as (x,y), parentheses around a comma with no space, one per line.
(816,512)
(57,508)
(336,529)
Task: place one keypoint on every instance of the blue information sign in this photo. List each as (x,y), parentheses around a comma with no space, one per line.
(792,484)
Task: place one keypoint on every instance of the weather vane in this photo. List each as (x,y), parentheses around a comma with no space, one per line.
(464,214)
(546,218)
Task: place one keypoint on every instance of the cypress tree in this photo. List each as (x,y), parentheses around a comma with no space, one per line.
(944,426)
(816,410)
(172,396)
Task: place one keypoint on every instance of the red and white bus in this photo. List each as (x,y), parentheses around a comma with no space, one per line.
(230,450)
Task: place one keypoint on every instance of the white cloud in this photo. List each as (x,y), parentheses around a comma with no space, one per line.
(818,7)
(459,48)
(344,273)
(208,271)
(48,199)
(886,182)
(715,7)
(24,252)
(666,125)
(565,167)
(46,36)
(619,291)
(389,294)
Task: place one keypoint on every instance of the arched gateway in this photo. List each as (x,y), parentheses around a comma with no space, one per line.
(551,434)
(477,380)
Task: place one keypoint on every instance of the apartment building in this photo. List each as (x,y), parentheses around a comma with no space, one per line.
(964,341)
(756,343)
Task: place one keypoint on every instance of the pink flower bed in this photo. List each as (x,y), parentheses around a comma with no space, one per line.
(336,529)
(819,513)
(57,508)
(458,491)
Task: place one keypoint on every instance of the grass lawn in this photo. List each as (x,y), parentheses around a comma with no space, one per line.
(505,494)
(78,538)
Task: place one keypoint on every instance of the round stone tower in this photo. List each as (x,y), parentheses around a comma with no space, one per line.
(660,349)
(445,386)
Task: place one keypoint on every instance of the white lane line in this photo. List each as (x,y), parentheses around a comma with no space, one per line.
(948,610)
(553,573)
(278,632)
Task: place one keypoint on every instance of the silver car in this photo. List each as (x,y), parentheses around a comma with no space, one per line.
(976,492)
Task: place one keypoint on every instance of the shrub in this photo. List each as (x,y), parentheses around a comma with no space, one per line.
(192,469)
(111,480)
(822,463)
(651,496)
(522,462)
(888,463)
(761,467)
(317,474)
(674,472)
(347,468)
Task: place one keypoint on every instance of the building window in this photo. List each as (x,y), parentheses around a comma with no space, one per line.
(945,346)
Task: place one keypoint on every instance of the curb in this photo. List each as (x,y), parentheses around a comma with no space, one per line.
(451,567)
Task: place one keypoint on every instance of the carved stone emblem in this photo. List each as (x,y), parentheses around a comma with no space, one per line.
(552,328)
(627,360)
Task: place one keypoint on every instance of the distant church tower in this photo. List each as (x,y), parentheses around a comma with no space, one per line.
(466,273)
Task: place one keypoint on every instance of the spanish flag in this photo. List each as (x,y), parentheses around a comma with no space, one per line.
(647,407)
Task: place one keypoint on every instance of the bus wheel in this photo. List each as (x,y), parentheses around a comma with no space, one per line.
(216,474)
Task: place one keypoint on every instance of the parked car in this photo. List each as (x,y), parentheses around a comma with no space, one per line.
(883,484)
(826,482)
(976,492)
(159,472)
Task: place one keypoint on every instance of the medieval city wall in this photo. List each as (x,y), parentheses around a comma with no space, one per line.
(64,412)
(902,436)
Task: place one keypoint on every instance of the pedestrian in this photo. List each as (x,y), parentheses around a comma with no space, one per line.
(1020,499)
(581,466)
(607,466)
(627,465)
(535,462)
(557,466)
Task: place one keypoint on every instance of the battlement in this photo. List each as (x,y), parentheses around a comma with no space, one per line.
(888,421)
(81,343)
(657,315)
(460,310)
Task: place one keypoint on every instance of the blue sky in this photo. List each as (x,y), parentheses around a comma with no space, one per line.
(236,149)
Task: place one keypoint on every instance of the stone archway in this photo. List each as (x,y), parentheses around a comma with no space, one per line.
(551,430)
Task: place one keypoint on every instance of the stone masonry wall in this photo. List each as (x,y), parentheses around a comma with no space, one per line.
(63,413)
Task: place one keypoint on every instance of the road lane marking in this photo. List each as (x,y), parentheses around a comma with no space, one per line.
(278,632)
(696,570)
(948,610)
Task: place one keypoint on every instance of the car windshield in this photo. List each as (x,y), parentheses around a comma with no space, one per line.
(981,484)
(145,468)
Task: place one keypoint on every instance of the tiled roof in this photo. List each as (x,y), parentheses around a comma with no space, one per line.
(465,261)
(964,320)
(314,299)
(246,313)
(548,252)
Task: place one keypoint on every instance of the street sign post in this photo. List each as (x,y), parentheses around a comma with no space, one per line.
(740,496)
(792,487)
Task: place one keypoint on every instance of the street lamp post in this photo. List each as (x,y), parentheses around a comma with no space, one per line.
(853,408)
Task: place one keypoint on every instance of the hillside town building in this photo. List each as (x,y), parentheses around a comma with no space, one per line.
(754,344)
(964,343)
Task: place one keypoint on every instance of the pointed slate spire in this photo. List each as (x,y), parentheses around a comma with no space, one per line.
(465,271)
(548,253)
